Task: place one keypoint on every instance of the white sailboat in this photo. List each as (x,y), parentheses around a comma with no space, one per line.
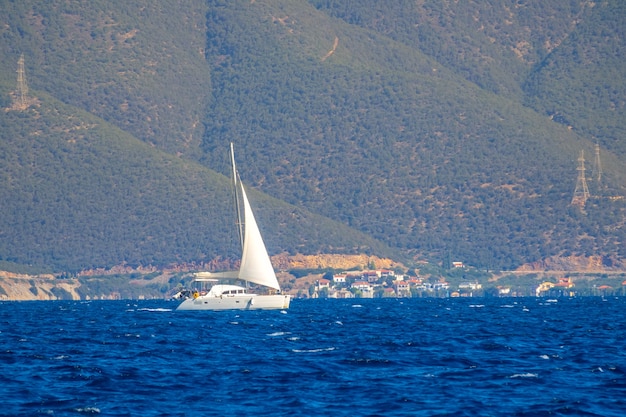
(255,268)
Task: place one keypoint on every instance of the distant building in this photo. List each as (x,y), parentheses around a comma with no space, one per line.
(386,273)
(341,294)
(473,286)
(339,278)
(563,287)
(365,288)
(504,290)
(403,288)
(371,276)
(389,292)
(323,283)
(543,288)
(361,285)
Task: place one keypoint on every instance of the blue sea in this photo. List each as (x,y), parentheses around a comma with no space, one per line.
(360,357)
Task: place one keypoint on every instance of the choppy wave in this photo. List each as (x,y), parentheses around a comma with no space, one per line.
(317,350)
(386,357)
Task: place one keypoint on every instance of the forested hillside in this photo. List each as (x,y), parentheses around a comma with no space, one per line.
(139,65)
(86,195)
(368,120)
(426,130)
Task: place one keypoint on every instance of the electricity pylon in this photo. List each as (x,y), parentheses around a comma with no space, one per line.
(20,100)
(581,193)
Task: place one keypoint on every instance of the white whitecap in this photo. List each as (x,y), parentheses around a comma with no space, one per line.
(88,410)
(313,350)
(275,334)
(526,375)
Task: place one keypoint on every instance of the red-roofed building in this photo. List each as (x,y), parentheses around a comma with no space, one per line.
(339,278)
(365,288)
(371,276)
(389,292)
(361,285)
(403,288)
(323,283)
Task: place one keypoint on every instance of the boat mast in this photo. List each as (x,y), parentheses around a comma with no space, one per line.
(235,197)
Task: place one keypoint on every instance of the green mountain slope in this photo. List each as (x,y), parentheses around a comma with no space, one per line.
(380,136)
(139,65)
(491,43)
(581,83)
(79,194)
(439,128)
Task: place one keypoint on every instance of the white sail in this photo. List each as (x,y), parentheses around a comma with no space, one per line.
(256,266)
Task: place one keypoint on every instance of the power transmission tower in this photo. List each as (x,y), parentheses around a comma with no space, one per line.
(596,174)
(20,99)
(581,193)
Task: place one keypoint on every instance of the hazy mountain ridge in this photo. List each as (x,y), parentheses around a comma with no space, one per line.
(396,125)
(581,83)
(430,146)
(86,195)
(138,65)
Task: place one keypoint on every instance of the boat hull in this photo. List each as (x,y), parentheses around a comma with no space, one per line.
(242,302)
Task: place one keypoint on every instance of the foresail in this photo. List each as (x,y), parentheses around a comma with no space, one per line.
(256,266)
